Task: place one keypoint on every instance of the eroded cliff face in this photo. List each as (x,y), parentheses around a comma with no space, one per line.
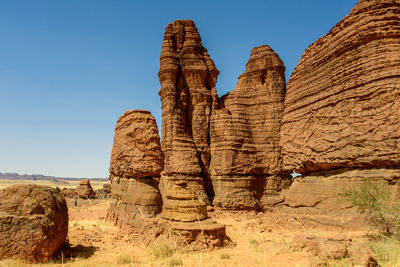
(342,108)
(244,135)
(187,76)
(135,167)
(343,98)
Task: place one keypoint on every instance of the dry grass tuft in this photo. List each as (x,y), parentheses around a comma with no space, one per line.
(161,249)
(174,262)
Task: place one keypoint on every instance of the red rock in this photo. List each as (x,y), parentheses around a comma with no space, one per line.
(342,106)
(135,167)
(85,190)
(187,76)
(244,132)
(33,222)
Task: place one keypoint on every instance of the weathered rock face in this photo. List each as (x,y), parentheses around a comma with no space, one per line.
(244,134)
(187,76)
(187,217)
(33,222)
(136,150)
(136,164)
(322,189)
(342,106)
(85,190)
(68,192)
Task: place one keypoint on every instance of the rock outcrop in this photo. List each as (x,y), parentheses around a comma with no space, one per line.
(85,190)
(135,167)
(246,161)
(188,77)
(33,222)
(342,108)
(226,150)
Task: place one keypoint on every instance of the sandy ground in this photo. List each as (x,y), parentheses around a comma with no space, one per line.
(261,239)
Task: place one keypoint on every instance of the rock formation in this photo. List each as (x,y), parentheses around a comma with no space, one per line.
(187,76)
(187,216)
(343,98)
(227,147)
(68,192)
(135,167)
(33,222)
(246,161)
(85,190)
(342,106)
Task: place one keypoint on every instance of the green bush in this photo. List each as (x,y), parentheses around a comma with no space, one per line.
(374,200)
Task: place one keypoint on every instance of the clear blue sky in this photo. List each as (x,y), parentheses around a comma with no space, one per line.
(70,68)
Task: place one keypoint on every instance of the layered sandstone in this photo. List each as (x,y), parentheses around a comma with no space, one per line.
(244,135)
(341,120)
(135,167)
(187,217)
(187,76)
(342,106)
(33,222)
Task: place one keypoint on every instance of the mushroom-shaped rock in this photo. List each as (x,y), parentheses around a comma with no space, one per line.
(33,222)
(85,190)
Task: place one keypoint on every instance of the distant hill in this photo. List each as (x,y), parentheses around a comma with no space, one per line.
(16,176)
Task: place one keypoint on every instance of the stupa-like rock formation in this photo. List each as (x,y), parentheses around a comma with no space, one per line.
(33,222)
(246,161)
(188,219)
(342,106)
(187,76)
(135,167)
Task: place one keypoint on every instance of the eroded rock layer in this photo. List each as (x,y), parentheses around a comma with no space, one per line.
(187,217)
(322,189)
(342,106)
(135,167)
(244,133)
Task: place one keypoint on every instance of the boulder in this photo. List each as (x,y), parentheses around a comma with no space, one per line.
(68,192)
(342,105)
(33,222)
(85,190)
(135,167)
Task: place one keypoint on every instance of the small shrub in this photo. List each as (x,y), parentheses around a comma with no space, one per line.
(387,251)
(374,199)
(225,256)
(254,243)
(174,262)
(160,249)
(126,258)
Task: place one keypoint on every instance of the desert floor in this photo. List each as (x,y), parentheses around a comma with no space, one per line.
(261,239)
